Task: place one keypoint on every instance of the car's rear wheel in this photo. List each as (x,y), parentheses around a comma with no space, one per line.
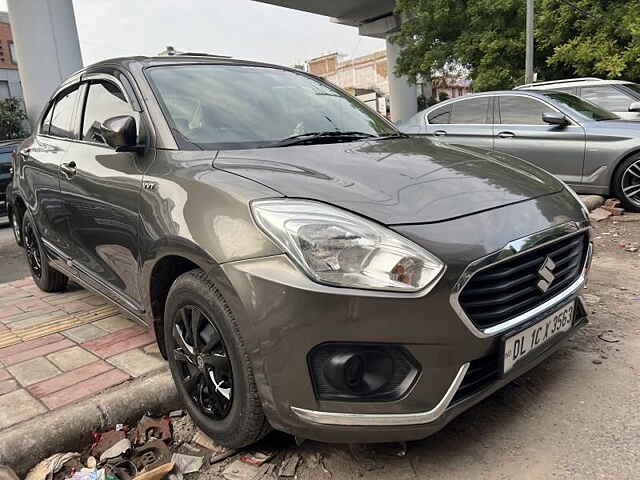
(45,277)
(209,363)
(626,183)
(14,218)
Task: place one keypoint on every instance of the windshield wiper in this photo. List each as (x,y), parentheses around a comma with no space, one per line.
(311,137)
(393,135)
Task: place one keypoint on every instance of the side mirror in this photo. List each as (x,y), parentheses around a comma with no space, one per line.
(121,133)
(555,118)
(634,107)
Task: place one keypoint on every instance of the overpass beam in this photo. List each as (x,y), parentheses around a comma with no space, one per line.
(47,47)
(403,94)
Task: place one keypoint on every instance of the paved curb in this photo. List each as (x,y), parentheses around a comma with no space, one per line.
(68,429)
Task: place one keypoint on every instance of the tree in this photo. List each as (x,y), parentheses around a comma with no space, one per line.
(12,119)
(592,37)
(573,37)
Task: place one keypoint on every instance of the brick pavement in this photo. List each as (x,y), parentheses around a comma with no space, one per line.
(56,349)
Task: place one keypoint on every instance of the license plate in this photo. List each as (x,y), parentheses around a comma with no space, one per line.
(522,344)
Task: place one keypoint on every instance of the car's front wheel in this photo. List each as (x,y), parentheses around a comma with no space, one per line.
(209,363)
(626,183)
(45,277)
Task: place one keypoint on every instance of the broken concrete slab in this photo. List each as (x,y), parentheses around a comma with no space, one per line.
(599,214)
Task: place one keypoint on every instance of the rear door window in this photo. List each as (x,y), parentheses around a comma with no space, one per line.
(61,123)
(440,115)
(517,110)
(472,111)
(607,97)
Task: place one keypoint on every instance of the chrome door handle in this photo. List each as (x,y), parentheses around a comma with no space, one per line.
(506,134)
(439,133)
(68,169)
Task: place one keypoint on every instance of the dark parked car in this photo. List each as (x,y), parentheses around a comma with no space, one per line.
(305,266)
(6,171)
(589,148)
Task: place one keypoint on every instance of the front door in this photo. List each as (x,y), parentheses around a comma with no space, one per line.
(520,131)
(101,190)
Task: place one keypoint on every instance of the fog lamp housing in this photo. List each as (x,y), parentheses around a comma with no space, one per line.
(362,372)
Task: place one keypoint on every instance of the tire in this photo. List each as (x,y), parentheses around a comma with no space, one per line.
(626,183)
(16,226)
(46,278)
(215,360)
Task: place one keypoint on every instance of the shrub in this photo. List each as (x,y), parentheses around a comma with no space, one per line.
(13,119)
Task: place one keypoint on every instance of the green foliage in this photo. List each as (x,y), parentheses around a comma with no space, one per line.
(588,37)
(12,119)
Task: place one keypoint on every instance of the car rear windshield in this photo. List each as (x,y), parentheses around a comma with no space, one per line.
(233,106)
(584,108)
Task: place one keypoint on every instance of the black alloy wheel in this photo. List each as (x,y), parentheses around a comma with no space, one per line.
(15,225)
(32,250)
(630,183)
(204,366)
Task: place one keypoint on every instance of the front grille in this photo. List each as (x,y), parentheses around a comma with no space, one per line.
(481,373)
(507,289)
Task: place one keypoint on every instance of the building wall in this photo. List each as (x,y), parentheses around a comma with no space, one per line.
(10,85)
(369,72)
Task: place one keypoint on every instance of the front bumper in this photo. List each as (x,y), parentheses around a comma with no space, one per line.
(285,315)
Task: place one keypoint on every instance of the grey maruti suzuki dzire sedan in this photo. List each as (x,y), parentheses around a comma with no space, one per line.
(304,265)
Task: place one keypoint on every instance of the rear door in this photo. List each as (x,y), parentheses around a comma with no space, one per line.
(466,122)
(101,190)
(41,159)
(520,131)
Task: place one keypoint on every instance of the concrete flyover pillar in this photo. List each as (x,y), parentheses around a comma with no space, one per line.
(403,94)
(47,47)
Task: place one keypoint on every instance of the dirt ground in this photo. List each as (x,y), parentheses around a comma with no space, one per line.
(574,416)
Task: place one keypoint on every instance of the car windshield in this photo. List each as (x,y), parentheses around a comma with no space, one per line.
(584,108)
(233,106)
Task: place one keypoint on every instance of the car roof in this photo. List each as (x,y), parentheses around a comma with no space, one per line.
(180,59)
(568,83)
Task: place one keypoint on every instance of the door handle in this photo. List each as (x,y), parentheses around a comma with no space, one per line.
(506,134)
(439,133)
(68,169)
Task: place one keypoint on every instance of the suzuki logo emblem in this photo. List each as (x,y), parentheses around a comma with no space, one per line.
(545,273)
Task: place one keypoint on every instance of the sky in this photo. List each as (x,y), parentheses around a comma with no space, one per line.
(239,28)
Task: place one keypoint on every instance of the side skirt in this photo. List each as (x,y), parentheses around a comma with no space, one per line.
(59,261)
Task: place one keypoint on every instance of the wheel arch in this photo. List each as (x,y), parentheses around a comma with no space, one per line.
(168,262)
(618,162)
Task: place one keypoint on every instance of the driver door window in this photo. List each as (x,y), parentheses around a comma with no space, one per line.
(516,110)
(104,100)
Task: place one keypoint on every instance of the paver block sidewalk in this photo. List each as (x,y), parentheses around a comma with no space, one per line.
(56,349)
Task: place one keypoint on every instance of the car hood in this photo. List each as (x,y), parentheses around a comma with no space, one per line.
(393,181)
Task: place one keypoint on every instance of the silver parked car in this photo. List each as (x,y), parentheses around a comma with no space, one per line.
(590,148)
(618,96)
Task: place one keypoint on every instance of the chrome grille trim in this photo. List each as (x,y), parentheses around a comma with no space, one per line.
(509,251)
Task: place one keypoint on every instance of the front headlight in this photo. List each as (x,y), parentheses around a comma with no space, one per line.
(339,248)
